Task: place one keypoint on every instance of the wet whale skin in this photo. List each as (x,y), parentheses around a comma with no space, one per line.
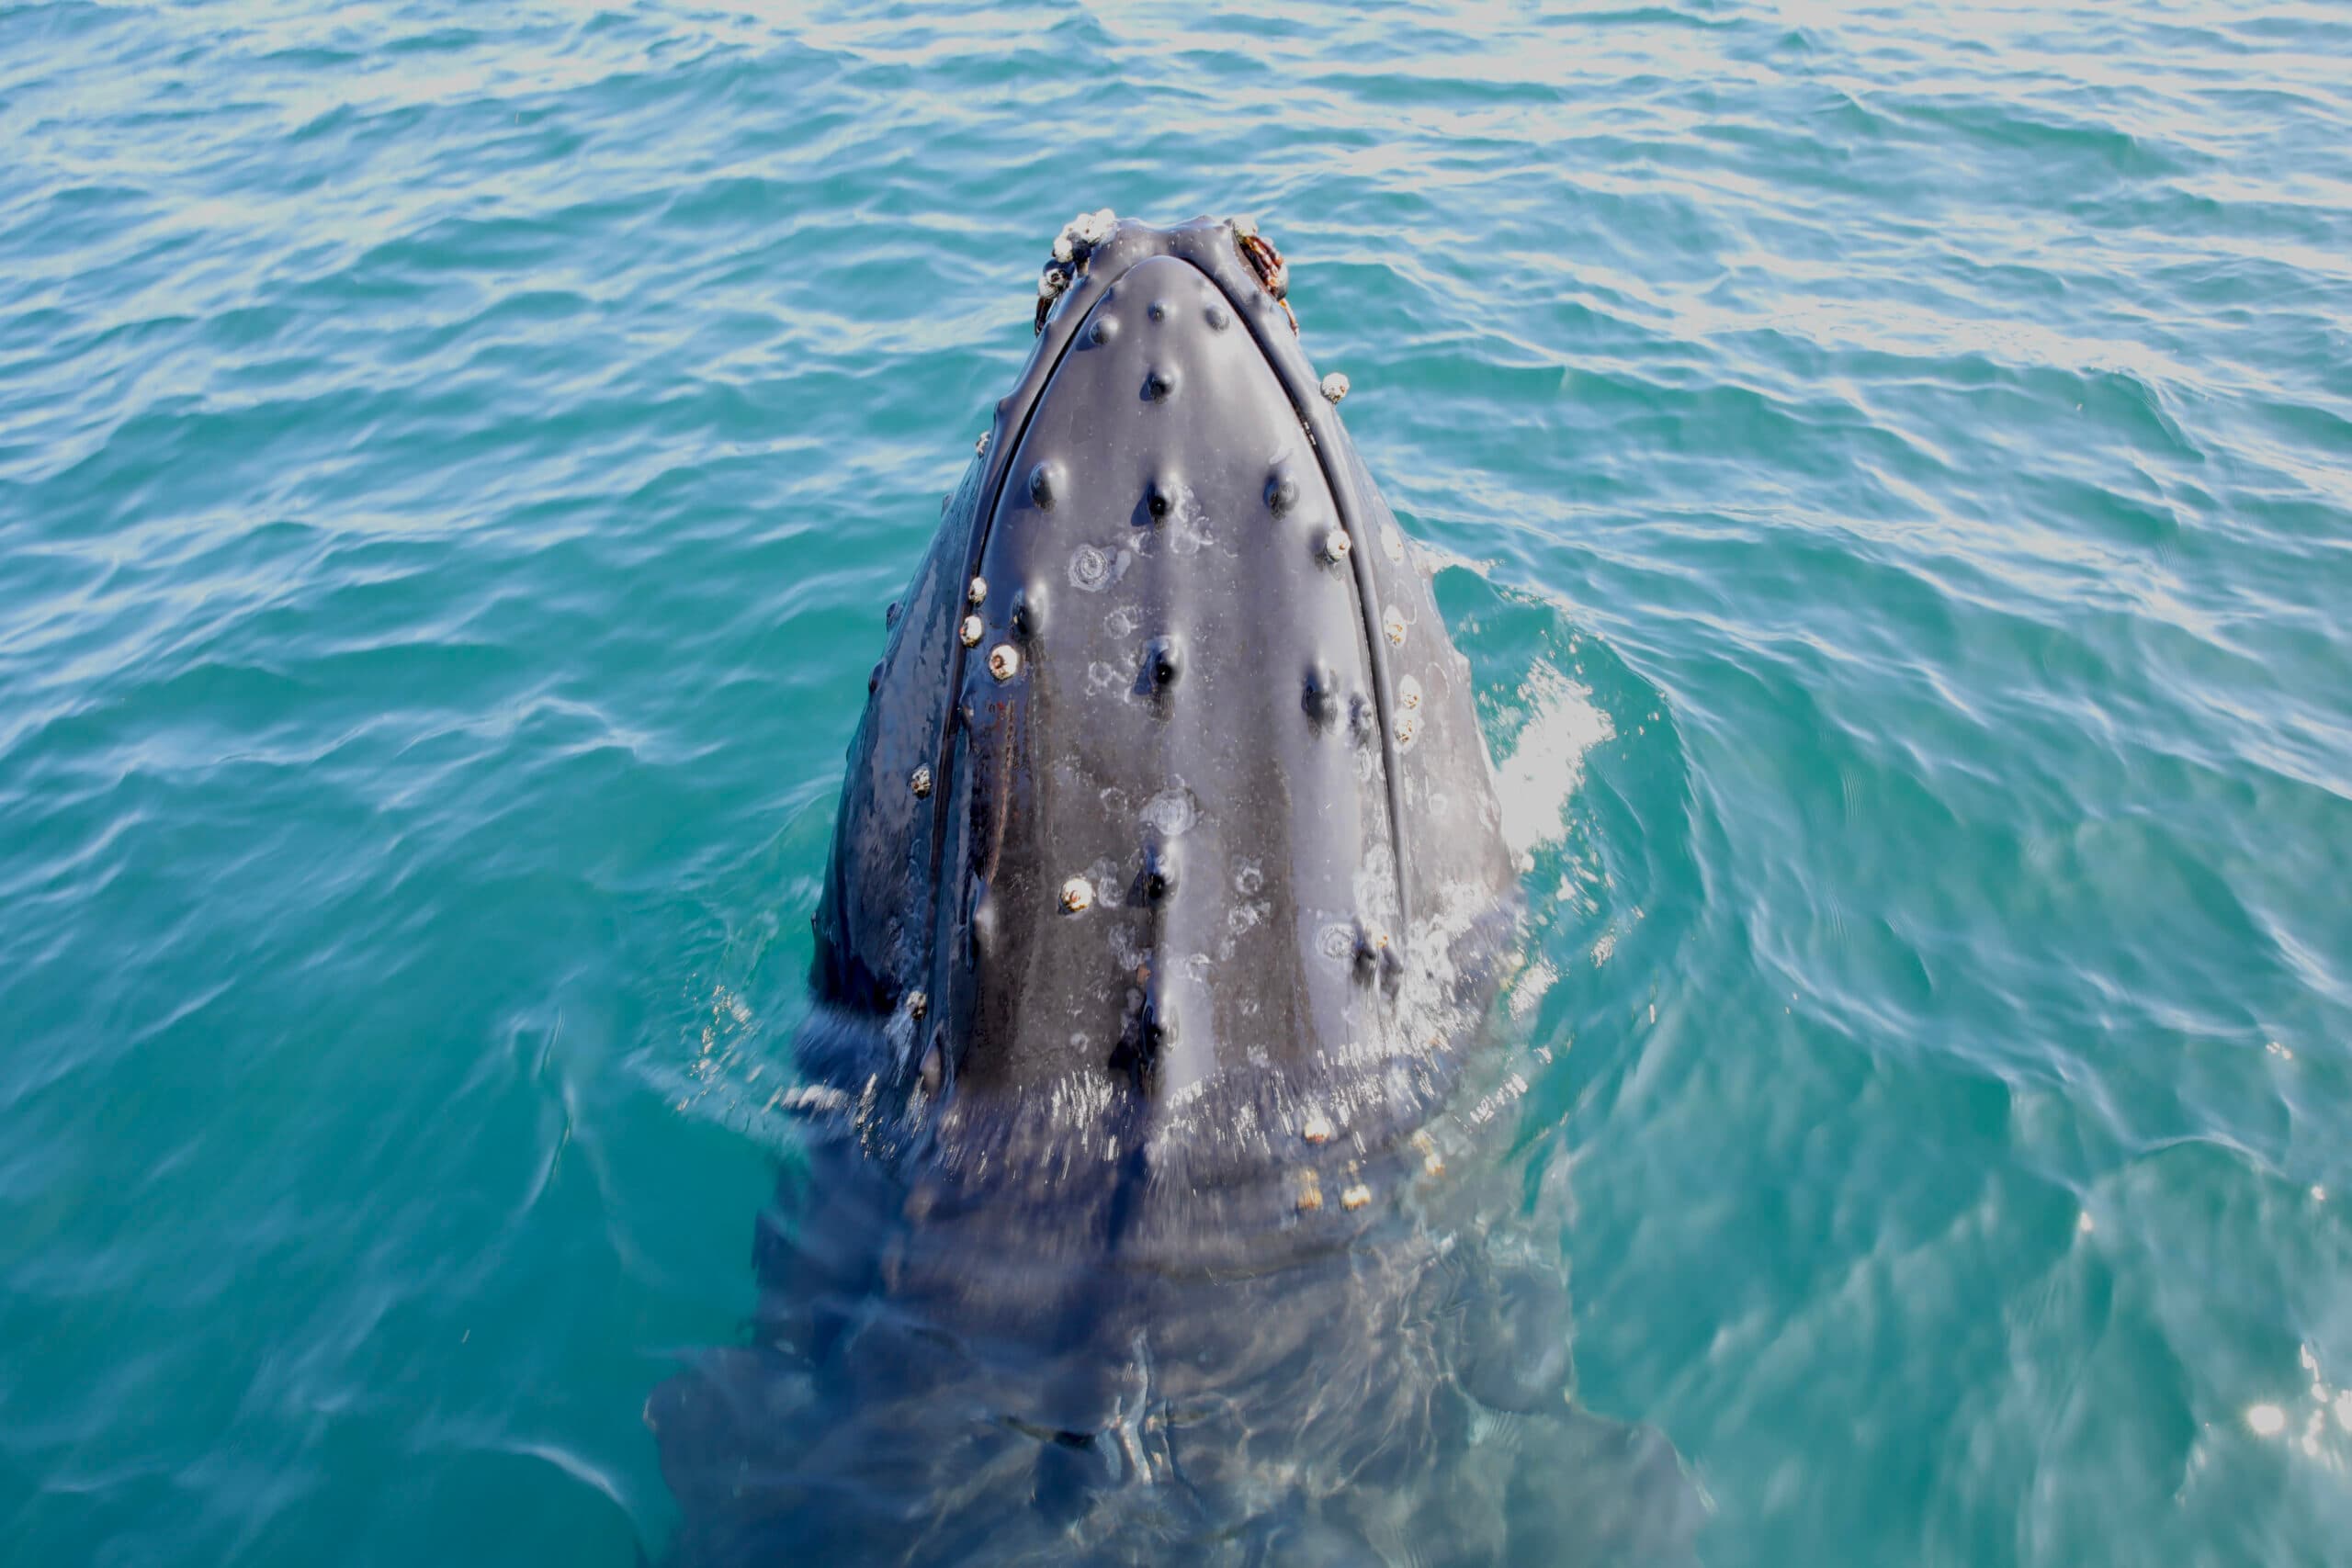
(1140,1217)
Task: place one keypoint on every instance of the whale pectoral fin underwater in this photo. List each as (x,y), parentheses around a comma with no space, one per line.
(1137,1215)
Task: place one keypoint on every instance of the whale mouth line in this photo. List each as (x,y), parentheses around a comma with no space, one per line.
(1312,411)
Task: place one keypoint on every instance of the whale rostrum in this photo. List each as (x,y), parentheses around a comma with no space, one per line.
(1168,622)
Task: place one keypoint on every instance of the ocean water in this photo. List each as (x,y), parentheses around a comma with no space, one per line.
(1893,473)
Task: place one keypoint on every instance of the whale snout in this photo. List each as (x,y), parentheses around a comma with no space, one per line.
(1168,622)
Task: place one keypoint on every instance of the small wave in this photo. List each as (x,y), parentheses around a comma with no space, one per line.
(1538,777)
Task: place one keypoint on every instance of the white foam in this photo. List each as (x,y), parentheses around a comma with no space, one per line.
(1535,780)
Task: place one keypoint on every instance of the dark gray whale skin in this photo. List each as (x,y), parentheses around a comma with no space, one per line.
(1139,1220)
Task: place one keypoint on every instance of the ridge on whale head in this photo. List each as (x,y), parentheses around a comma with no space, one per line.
(1136,1217)
(1169,805)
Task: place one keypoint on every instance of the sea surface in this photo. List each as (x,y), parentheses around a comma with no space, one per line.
(1892,474)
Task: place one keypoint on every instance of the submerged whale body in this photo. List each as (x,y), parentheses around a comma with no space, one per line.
(1138,1219)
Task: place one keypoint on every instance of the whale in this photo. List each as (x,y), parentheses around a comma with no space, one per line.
(1146,1201)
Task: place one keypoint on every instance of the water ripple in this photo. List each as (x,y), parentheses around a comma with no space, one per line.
(1889,472)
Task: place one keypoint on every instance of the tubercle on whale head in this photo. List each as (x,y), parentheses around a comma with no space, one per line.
(1183,497)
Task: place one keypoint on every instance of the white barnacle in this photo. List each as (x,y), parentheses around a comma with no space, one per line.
(1077,895)
(1335,386)
(1004,661)
(970,630)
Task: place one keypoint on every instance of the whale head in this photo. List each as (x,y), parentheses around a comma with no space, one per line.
(1169,805)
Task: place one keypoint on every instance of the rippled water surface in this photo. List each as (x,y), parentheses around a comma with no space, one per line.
(1895,474)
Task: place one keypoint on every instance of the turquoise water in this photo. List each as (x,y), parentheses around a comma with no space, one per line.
(1894,470)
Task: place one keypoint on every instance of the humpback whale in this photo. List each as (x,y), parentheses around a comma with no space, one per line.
(1138,1214)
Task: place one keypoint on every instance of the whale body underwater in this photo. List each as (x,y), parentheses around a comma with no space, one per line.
(1143,1209)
